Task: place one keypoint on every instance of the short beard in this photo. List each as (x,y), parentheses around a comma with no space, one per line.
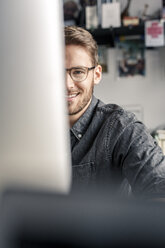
(84,103)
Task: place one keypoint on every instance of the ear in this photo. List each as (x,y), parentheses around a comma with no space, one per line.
(97,74)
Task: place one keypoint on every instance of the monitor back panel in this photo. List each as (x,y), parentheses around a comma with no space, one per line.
(34,147)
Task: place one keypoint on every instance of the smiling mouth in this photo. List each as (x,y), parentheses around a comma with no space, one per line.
(72,96)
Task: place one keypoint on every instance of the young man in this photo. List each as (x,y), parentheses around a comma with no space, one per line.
(109,145)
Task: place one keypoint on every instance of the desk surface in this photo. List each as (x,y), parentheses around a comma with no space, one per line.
(80,220)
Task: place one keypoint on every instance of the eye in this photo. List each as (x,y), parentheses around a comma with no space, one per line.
(78,71)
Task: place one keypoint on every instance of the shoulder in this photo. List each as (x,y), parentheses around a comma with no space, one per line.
(115,113)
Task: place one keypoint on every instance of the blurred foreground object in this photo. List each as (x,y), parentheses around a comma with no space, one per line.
(86,219)
(34,146)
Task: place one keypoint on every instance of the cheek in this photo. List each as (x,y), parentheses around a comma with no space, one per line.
(86,85)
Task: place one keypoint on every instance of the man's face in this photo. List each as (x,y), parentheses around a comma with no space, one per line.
(79,94)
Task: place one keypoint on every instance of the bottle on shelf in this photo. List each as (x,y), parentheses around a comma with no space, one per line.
(91,14)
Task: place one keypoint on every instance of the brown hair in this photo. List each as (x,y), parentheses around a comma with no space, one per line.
(78,36)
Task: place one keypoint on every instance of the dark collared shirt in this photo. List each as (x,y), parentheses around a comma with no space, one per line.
(110,146)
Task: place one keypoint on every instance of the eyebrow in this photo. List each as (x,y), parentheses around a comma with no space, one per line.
(76,67)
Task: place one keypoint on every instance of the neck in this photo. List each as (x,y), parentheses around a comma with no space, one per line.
(73,119)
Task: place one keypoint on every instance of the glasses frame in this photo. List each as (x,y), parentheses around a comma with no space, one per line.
(69,70)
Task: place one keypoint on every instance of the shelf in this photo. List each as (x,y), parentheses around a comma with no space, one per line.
(107,36)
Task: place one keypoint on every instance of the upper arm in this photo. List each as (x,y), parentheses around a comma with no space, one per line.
(141,160)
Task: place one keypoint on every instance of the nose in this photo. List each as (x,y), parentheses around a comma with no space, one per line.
(69,81)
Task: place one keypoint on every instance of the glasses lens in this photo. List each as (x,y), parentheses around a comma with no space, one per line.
(79,74)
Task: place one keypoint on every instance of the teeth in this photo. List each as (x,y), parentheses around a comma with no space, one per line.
(73,95)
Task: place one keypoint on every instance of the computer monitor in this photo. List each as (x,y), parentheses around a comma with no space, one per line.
(34,146)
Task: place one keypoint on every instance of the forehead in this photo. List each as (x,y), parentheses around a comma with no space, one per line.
(77,56)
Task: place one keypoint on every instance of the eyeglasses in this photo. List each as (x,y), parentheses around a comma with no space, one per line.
(79,74)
